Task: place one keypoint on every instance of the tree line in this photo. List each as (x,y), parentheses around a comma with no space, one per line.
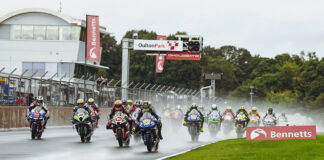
(284,80)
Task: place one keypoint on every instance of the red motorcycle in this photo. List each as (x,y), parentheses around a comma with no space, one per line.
(121,128)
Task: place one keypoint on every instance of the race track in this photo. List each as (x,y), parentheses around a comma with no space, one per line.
(64,143)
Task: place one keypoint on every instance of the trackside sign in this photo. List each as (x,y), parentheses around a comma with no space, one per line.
(158,45)
(281,132)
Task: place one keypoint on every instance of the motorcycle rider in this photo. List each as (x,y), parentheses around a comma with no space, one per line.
(39,102)
(147,107)
(283,117)
(80,104)
(254,110)
(228,110)
(95,110)
(138,104)
(118,107)
(124,103)
(214,108)
(243,110)
(129,104)
(194,107)
(271,113)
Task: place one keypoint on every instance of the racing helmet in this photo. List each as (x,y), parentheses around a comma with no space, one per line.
(129,102)
(146,104)
(80,101)
(138,103)
(118,104)
(124,102)
(270,110)
(229,108)
(193,106)
(214,107)
(39,99)
(254,109)
(90,101)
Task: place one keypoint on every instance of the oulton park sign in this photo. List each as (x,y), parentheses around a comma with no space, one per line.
(158,45)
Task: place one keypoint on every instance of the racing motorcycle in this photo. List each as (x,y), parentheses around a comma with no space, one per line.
(36,118)
(254,121)
(83,125)
(240,124)
(214,123)
(149,132)
(228,123)
(176,118)
(166,114)
(269,121)
(121,128)
(194,125)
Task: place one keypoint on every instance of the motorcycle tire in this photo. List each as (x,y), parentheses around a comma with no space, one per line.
(33,132)
(82,139)
(120,138)
(148,143)
(89,139)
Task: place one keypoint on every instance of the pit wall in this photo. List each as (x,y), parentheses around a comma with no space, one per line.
(15,116)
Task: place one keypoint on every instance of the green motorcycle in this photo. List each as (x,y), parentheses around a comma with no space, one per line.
(214,123)
(240,124)
(81,120)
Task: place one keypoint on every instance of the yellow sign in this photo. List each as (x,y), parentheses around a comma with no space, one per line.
(2,80)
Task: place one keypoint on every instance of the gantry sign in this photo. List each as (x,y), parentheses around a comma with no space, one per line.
(173,47)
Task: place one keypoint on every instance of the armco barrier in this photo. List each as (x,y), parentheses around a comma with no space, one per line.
(15,117)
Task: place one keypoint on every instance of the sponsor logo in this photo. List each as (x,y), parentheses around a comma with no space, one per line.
(92,53)
(257,132)
(172,45)
(281,132)
(158,45)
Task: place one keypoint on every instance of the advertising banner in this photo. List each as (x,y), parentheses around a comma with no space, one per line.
(183,56)
(93,39)
(159,60)
(161,37)
(281,132)
(158,45)
(2,80)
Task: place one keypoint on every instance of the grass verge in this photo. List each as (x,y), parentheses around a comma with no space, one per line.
(239,149)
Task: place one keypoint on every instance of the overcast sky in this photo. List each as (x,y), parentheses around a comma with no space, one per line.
(263,27)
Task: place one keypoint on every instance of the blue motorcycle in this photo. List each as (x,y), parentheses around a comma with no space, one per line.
(36,119)
(194,125)
(148,130)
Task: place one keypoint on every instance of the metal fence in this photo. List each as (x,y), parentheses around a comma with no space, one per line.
(61,91)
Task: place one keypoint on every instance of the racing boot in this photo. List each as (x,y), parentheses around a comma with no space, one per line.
(201,129)
(160,134)
(160,130)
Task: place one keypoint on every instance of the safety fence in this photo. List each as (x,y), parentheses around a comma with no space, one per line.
(63,91)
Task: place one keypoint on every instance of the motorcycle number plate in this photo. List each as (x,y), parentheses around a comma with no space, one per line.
(80,114)
(146,121)
(228,118)
(193,116)
(36,115)
(119,119)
